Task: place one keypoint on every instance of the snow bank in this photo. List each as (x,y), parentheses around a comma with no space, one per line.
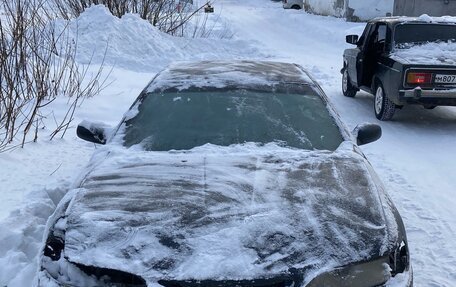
(428,54)
(133,43)
(21,236)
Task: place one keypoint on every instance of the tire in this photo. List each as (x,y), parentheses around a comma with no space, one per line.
(296,7)
(384,108)
(347,88)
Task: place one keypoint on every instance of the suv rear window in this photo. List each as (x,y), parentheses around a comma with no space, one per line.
(423,33)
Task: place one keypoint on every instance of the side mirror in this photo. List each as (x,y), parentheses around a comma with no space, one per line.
(352,39)
(367,133)
(92,132)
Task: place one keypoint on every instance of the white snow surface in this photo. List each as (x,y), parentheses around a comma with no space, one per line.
(415,158)
(442,53)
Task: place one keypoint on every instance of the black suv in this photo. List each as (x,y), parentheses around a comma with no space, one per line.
(403,60)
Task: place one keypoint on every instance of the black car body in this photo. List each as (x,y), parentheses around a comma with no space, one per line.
(157,209)
(391,55)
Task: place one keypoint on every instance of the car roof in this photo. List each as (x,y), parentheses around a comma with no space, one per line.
(228,74)
(393,20)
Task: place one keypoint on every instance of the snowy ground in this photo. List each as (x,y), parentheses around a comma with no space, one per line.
(415,157)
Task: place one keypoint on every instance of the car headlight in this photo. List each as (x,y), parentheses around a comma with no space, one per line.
(56,270)
(366,274)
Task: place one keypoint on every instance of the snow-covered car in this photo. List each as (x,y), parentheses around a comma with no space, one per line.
(403,61)
(293,4)
(227,173)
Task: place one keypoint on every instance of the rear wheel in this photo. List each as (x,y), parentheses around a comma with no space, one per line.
(347,88)
(296,7)
(384,108)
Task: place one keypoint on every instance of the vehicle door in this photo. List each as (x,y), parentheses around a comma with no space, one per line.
(372,48)
(357,56)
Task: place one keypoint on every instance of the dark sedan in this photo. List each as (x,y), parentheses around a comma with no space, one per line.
(227,174)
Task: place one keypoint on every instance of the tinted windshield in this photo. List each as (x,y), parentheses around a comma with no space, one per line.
(423,33)
(186,120)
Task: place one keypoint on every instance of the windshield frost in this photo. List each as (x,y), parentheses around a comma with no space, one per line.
(180,121)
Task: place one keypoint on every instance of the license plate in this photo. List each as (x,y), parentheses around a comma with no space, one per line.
(445,79)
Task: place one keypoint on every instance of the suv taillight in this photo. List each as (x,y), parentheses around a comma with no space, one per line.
(419,78)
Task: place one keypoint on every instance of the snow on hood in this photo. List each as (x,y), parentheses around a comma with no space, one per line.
(134,44)
(239,212)
(443,53)
(220,74)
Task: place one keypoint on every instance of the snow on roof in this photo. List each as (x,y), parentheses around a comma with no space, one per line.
(423,18)
(220,74)
(443,19)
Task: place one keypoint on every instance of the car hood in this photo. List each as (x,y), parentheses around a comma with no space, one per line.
(239,212)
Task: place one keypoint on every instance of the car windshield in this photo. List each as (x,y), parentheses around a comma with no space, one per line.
(184,120)
(409,34)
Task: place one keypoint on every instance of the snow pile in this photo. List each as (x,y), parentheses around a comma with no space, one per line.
(433,53)
(133,43)
(425,18)
(21,236)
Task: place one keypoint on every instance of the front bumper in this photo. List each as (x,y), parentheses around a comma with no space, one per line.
(404,279)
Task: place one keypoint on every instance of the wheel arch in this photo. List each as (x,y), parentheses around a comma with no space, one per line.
(376,81)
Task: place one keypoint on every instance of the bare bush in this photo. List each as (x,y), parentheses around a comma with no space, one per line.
(169,16)
(37,65)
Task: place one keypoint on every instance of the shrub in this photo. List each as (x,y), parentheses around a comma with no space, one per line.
(37,64)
